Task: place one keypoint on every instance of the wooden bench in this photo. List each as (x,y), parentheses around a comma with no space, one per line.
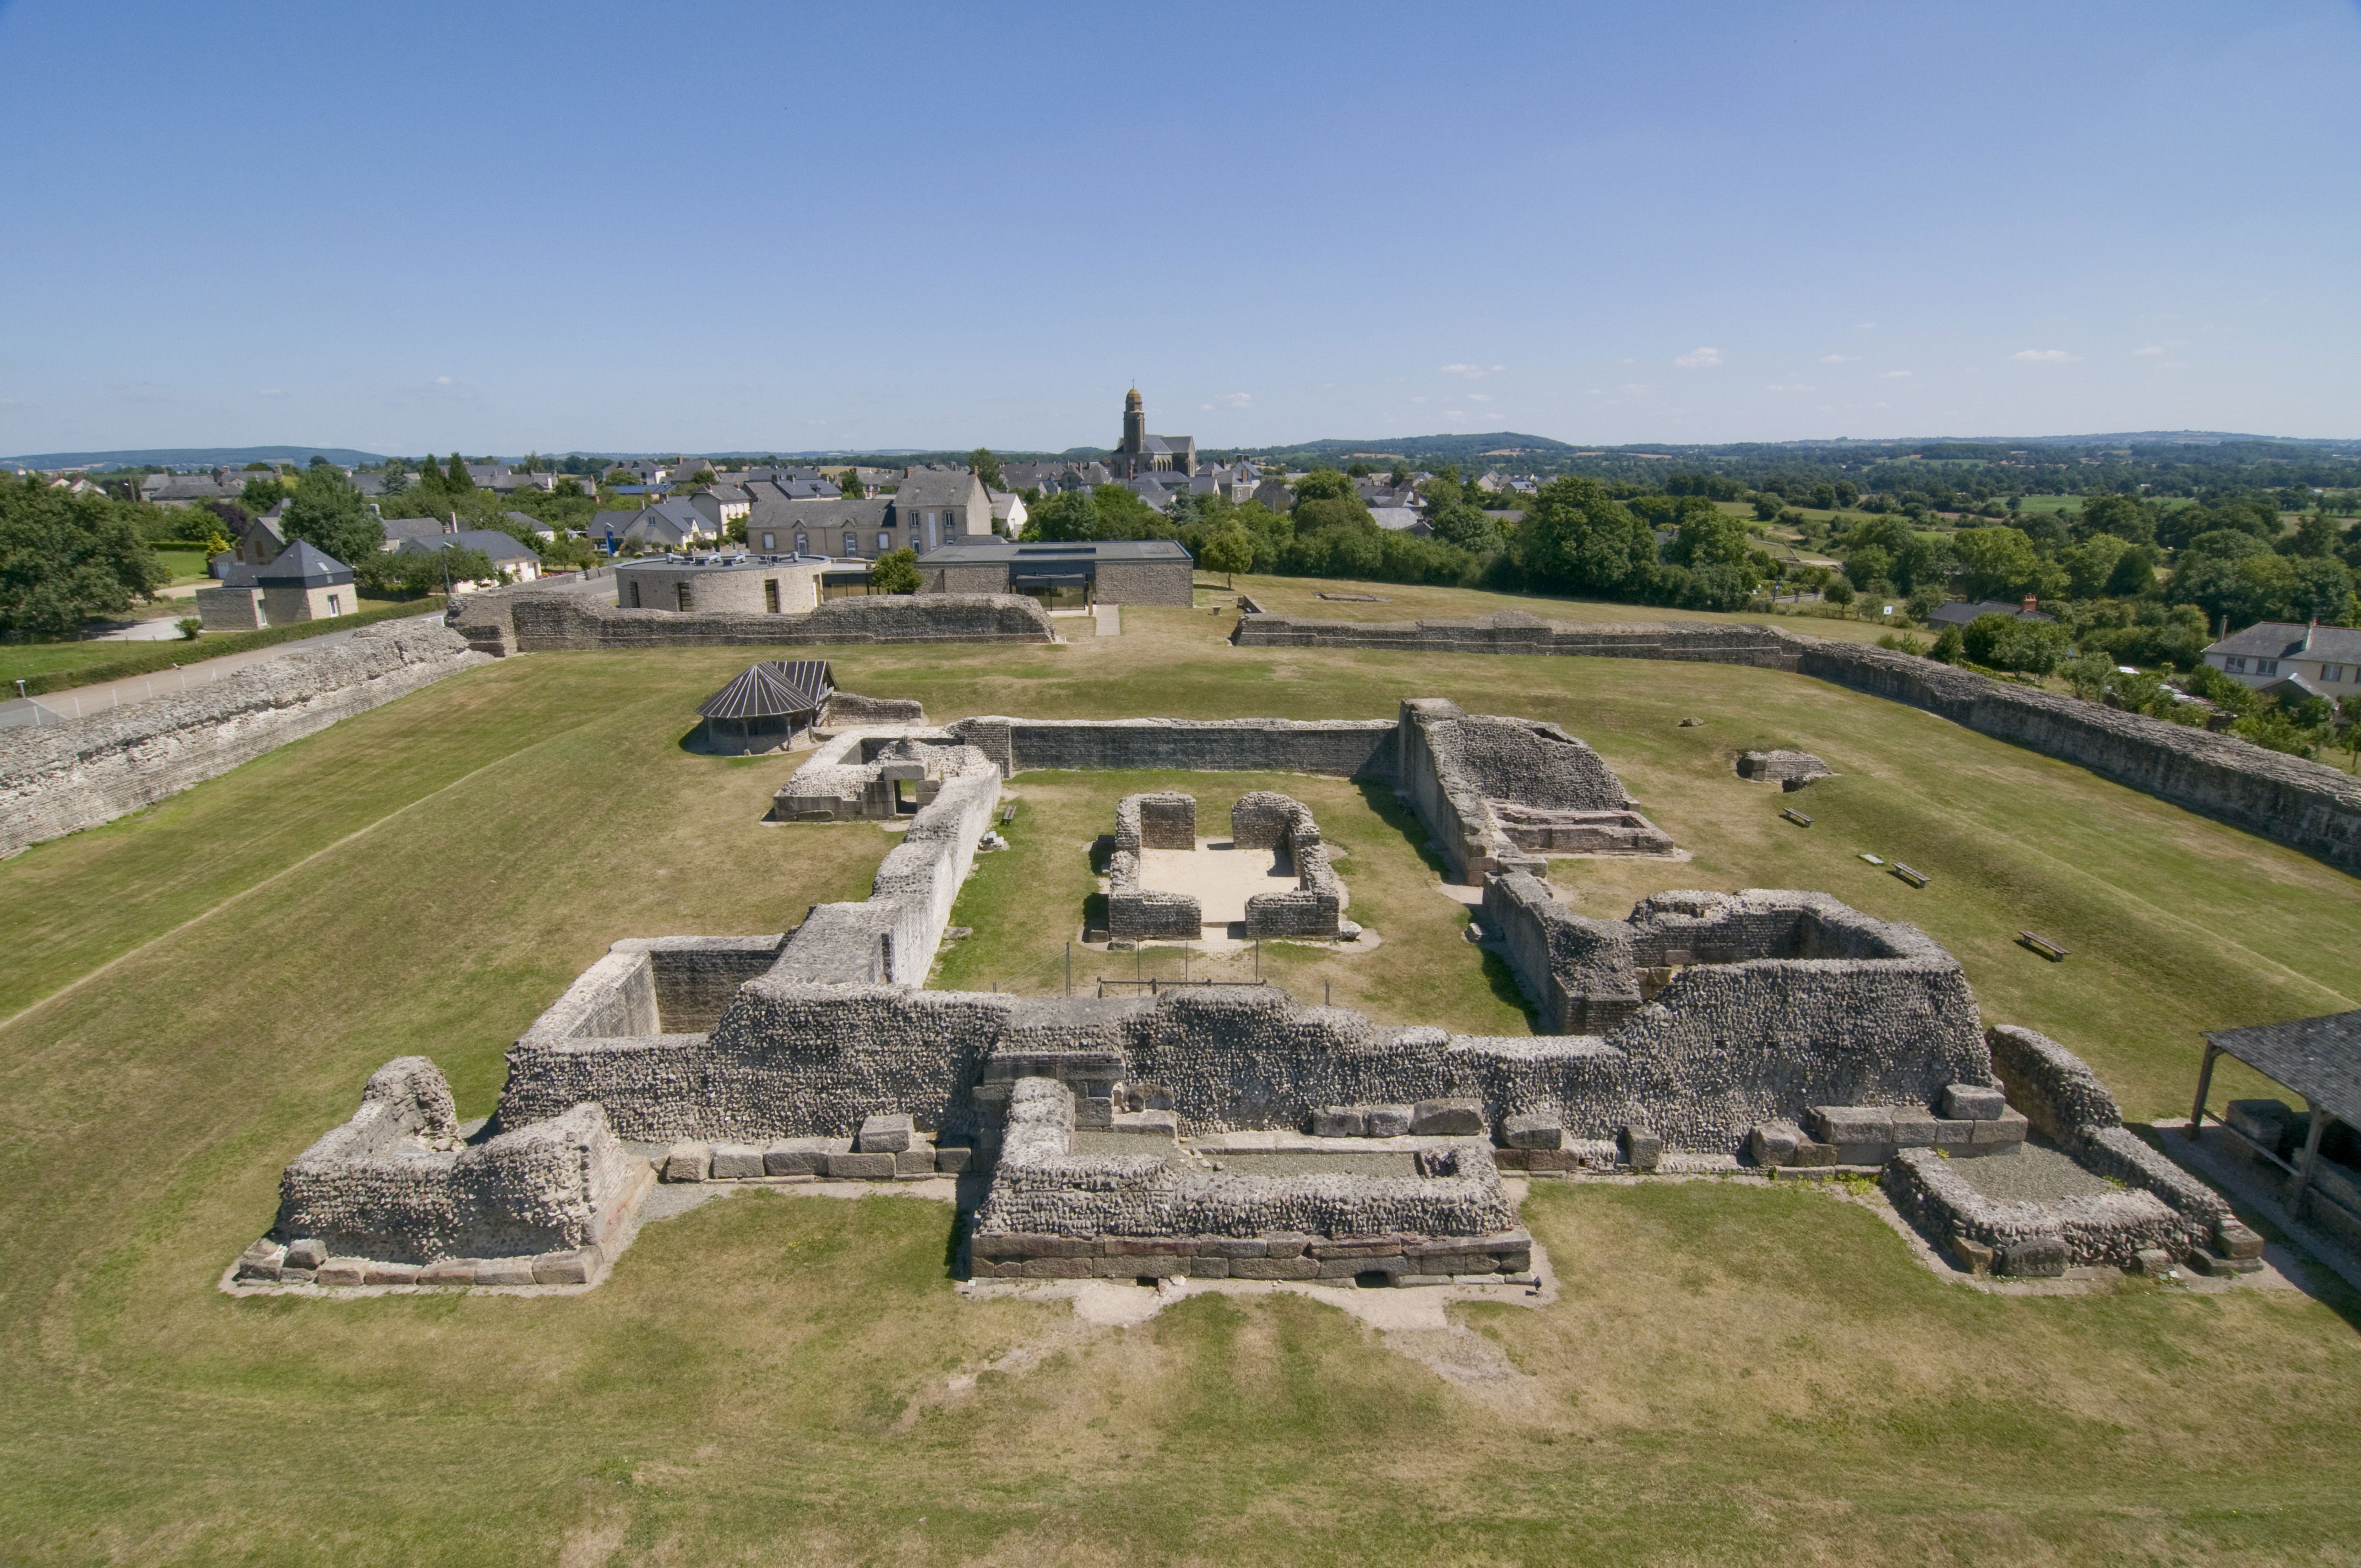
(2042,945)
(1908,873)
(1797,818)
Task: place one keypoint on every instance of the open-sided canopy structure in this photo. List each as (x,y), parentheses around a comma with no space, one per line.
(2320,1059)
(767,706)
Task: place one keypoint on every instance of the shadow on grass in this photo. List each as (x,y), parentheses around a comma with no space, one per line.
(1396,812)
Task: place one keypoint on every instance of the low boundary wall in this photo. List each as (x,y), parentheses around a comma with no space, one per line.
(529,620)
(2302,804)
(58,779)
(1346,747)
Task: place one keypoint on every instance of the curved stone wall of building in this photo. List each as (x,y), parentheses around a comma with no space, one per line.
(530,619)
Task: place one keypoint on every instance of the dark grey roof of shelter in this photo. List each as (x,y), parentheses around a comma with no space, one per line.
(2319,1059)
(301,566)
(2283,640)
(772,687)
(1018,557)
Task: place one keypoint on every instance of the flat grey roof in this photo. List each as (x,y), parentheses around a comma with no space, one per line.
(1027,557)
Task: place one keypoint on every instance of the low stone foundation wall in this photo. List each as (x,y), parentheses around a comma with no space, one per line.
(395,1189)
(1164,820)
(1500,793)
(892,938)
(1151,1213)
(530,619)
(1345,748)
(58,779)
(1264,819)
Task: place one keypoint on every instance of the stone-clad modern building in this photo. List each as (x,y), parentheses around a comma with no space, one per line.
(753,585)
(1066,573)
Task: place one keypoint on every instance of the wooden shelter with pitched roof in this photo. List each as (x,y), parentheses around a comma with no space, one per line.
(2320,1059)
(765,708)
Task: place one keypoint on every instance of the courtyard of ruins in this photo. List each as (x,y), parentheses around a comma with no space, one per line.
(1687,1317)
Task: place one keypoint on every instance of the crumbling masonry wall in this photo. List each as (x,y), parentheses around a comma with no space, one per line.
(395,1183)
(2304,804)
(892,936)
(1164,820)
(1352,748)
(58,779)
(1500,793)
(1264,819)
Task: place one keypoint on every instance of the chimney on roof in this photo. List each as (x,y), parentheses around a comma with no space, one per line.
(2030,602)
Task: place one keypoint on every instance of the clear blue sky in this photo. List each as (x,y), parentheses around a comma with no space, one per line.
(501,226)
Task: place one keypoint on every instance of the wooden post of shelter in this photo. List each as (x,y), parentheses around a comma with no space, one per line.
(2204,1087)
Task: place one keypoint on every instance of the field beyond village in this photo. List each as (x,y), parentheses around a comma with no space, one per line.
(1732,1374)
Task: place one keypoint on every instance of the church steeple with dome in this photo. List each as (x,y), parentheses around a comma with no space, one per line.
(1144,453)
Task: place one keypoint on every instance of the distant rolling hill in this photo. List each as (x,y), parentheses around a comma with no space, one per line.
(194,457)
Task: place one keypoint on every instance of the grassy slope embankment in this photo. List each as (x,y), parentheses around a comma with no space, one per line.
(1732,1375)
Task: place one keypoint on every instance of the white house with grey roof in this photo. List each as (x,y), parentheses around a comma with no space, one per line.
(2324,661)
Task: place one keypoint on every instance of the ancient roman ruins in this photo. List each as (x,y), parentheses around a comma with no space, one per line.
(1230,1131)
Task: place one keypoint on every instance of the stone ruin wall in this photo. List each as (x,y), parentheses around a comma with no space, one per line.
(1041,1188)
(58,779)
(1163,820)
(396,1183)
(2305,805)
(1721,1051)
(1264,819)
(892,936)
(537,619)
(1352,748)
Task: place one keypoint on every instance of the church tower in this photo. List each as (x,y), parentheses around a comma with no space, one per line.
(1135,429)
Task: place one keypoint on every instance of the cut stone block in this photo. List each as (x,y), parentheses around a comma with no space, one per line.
(2035,1258)
(1059,1267)
(504,1271)
(1094,1113)
(687,1162)
(802,1156)
(1147,1246)
(2009,1127)
(919,1161)
(2151,1260)
(390,1274)
(1233,1247)
(1203,1267)
(2214,1266)
(1533,1130)
(1643,1148)
(451,1271)
(2265,1121)
(1914,1127)
(735,1162)
(1851,1124)
(2235,1240)
(861,1167)
(261,1261)
(1954,1135)
(342,1271)
(1148,1124)
(1371,1246)
(1973,1102)
(1774,1143)
(295,1277)
(1386,1121)
(1811,1156)
(951,1162)
(1453,1118)
(306,1254)
(1274,1269)
(1337,1121)
(1973,1255)
(565,1267)
(887,1134)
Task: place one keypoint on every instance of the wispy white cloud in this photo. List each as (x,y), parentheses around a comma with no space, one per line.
(1699,359)
(2045,357)
(1788,387)
(1473,372)
(1480,396)
(1866,326)
(2159,350)
(271,391)
(1239,401)
(1893,375)
(1839,358)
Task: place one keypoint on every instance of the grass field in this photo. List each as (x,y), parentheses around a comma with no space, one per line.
(1732,1375)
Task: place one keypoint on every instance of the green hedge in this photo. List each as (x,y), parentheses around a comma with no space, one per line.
(152,657)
